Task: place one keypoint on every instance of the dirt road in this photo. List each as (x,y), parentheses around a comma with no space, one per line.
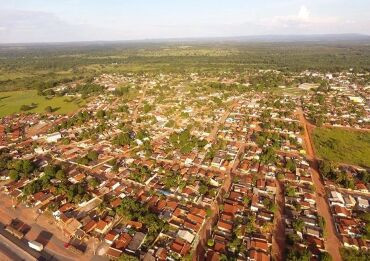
(332,243)
(278,239)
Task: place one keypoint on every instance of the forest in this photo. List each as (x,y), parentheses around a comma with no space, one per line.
(44,66)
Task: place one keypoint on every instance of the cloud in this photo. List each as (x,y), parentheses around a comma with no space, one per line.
(36,26)
(302,20)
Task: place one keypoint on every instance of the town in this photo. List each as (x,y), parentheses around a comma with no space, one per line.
(190,167)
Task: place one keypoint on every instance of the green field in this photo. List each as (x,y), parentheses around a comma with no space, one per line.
(11,102)
(344,146)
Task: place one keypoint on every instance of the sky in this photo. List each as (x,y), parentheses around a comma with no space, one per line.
(111,20)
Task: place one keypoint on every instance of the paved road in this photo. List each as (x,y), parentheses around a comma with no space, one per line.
(7,252)
(40,226)
(332,243)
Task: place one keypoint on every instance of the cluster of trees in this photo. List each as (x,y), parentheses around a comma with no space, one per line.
(350,254)
(295,253)
(93,133)
(268,155)
(173,179)
(265,137)
(91,156)
(74,192)
(218,145)
(77,120)
(219,86)
(267,80)
(26,107)
(69,63)
(50,172)
(140,173)
(330,171)
(131,209)
(89,89)
(121,91)
(147,107)
(290,126)
(291,165)
(186,142)
(124,138)
(269,204)
(17,168)
(123,108)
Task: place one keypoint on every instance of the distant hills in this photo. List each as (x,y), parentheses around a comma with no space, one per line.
(296,38)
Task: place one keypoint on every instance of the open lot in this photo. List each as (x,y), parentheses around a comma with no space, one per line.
(11,102)
(345,146)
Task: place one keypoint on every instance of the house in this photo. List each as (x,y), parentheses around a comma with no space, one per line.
(53,137)
(113,253)
(161,254)
(336,197)
(71,226)
(313,231)
(363,203)
(258,244)
(225,227)
(180,247)
(349,201)
(110,237)
(341,211)
(254,255)
(136,242)
(101,227)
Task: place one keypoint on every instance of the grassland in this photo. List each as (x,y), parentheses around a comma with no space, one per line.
(343,146)
(11,102)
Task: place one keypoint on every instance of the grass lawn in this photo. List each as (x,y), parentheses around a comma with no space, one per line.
(11,102)
(344,146)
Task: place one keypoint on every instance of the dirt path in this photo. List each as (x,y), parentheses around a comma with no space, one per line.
(278,239)
(332,243)
(213,134)
(134,115)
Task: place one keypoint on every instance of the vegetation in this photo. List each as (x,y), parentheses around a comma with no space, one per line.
(133,210)
(186,142)
(44,67)
(29,101)
(344,146)
(349,254)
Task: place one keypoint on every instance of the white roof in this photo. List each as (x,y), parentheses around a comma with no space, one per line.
(186,235)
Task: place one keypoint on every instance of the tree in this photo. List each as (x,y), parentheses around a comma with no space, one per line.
(210,242)
(290,191)
(350,254)
(48,109)
(298,255)
(101,114)
(92,155)
(298,225)
(93,182)
(61,175)
(325,256)
(321,222)
(27,166)
(126,257)
(13,174)
(32,188)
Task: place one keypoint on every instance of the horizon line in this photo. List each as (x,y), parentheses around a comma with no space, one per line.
(195,38)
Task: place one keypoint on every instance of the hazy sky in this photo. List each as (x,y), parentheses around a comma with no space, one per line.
(81,20)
